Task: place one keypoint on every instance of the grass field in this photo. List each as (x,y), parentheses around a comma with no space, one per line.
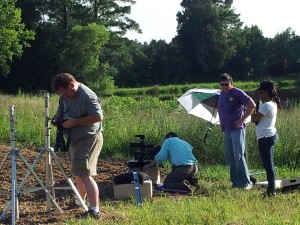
(216,204)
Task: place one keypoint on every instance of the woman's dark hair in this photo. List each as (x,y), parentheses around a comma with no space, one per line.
(269,86)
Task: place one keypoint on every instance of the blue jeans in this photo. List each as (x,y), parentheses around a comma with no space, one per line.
(234,144)
(266,151)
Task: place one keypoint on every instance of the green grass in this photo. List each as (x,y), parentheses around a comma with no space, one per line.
(178,89)
(125,117)
(216,204)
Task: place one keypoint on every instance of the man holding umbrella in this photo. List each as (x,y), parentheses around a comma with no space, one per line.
(234,106)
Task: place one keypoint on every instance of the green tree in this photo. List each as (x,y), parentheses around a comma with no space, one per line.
(205,35)
(165,63)
(13,35)
(81,53)
(250,58)
(117,60)
(257,52)
(33,12)
(53,21)
(114,15)
(146,64)
(278,60)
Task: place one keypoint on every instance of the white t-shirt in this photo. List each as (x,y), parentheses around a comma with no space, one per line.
(266,124)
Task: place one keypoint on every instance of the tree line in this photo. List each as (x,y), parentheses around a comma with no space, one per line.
(40,38)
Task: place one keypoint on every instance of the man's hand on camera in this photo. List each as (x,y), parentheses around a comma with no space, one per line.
(69,123)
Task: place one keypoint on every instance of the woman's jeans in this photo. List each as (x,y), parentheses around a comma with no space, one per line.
(266,151)
(234,144)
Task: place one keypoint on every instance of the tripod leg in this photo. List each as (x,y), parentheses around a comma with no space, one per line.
(14,197)
(49,179)
(32,167)
(74,189)
(40,183)
(3,161)
(1,166)
(6,208)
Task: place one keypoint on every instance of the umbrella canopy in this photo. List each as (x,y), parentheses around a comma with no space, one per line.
(202,102)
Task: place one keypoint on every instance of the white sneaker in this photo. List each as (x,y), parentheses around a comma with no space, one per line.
(248,187)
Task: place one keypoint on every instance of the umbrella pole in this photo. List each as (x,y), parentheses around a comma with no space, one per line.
(210,125)
(208,129)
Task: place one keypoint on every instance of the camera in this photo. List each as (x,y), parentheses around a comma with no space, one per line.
(141,144)
(145,153)
(58,121)
(60,143)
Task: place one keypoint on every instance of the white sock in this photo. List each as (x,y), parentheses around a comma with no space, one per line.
(95,209)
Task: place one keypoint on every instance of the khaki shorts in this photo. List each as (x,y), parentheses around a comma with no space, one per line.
(84,155)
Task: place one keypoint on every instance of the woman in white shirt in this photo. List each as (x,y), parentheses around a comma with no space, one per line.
(265,120)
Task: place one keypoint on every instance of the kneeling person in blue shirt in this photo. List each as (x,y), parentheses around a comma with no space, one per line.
(184,164)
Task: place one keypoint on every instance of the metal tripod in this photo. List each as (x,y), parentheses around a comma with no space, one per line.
(13,204)
(49,187)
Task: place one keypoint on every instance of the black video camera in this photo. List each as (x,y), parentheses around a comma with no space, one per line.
(58,121)
(145,153)
(141,144)
(60,143)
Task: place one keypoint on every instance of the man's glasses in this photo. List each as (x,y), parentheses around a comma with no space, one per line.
(224,84)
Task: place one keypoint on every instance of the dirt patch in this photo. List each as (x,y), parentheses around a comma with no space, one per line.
(33,207)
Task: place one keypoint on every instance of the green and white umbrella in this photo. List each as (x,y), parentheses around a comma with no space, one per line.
(202,102)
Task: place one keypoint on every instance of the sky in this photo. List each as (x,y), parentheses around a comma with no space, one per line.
(157,18)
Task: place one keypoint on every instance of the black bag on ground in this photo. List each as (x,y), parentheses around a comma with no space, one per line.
(127,178)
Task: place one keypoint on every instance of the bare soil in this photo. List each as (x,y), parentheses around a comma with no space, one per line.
(33,206)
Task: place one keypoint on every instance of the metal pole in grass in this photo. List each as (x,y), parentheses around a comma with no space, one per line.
(13,204)
(49,172)
(14,196)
